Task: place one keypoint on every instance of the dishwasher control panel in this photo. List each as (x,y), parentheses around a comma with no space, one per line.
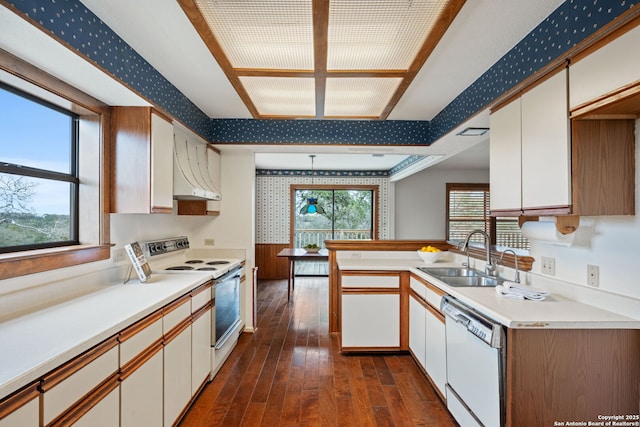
(477,324)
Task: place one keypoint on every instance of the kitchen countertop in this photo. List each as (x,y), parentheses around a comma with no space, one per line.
(37,342)
(555,312)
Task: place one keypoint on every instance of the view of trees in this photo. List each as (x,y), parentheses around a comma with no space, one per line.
(19,224)
(348,214)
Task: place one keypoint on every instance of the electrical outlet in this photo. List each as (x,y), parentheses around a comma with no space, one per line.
(549,266)
(209,242)
(593,275)
(119,255)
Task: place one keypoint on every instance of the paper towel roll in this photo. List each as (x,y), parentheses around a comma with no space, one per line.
(545,231)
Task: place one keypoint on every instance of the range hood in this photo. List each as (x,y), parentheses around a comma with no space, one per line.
(191,174)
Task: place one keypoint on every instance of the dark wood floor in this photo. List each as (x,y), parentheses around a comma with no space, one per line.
(291,373)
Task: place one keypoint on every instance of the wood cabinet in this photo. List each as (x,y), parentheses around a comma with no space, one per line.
(21,408)
(142,161)
(371,311)
(571,374)
(427,331)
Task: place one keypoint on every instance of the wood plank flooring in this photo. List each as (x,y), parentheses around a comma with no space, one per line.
(291,373)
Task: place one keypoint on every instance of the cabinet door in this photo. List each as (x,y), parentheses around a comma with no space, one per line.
(546,148)
(370,320)
(417,330)
(27,412)
(105,414)
(141,395)
(161,164)
(505,158)
(611,67)
(214,161)
(177,375)
(435,348)
(201,349)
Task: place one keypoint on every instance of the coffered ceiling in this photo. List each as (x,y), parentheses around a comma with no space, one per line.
(321,58)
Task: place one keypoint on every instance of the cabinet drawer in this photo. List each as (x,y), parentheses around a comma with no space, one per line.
(66,385)
(139,336)
(176,312)
(427,291)
(381,281)
(200,297)
(21,408)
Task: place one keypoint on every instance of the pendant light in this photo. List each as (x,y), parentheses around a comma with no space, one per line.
(312,207)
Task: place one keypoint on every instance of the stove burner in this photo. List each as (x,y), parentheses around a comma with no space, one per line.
(217,262)
(180,267)
(194,261)
(207,268)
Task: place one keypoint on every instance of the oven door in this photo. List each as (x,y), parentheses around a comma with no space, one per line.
(227,307)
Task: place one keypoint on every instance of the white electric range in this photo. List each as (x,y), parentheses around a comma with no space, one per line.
(173,256)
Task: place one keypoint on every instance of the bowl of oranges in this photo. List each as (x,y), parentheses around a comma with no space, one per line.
(429,254)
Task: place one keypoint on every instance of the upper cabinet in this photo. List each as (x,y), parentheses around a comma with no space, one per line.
(546,163)
(142,161)
(530,149)
(606,75)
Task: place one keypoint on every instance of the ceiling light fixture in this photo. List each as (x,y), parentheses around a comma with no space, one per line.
(312,207)
(473,132)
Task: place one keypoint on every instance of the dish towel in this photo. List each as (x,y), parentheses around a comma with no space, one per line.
(518,291)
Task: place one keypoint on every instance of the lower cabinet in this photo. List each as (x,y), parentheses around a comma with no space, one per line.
(21,408)
(427,331)
(141,394)
(106,413)
(200,348)
(370,311)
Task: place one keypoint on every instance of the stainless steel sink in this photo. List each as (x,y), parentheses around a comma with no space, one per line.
(470,281)
(462,277)
(450,271)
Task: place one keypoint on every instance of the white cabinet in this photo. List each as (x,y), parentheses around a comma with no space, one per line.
(435,348)
(201,309)
(141,361)
(608,69)
(142,158)
(69,385)
(214,160)
(530,150)
(426,331)
(370,311)
(546,145)
(370,321)
(21,408)
(177,359)
(106,413)
(417,330)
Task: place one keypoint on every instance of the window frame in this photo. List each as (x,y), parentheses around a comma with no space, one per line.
(31,172)
(94,114)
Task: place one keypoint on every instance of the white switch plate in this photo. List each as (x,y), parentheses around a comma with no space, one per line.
(119,255)
(549,266)
(209,242)
(593,275)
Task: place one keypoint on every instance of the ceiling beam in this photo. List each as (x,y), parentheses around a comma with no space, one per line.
(320,48)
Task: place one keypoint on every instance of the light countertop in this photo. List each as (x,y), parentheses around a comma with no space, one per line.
(37,342)
(555,312)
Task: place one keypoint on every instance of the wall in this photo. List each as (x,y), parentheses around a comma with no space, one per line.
(610,242)
(273,204)
(420,200)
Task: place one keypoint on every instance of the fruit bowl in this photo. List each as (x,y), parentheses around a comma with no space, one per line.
(429,257)
(312,249)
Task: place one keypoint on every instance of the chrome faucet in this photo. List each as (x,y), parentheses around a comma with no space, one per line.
(490,269)
(515,256)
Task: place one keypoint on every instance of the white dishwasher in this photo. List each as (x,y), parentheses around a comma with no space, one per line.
(475,362)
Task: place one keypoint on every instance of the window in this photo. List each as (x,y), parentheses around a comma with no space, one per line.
(38,173)
(349,214)
(468,209)
(73,168)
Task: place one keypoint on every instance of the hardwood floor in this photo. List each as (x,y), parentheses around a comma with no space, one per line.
(291,373)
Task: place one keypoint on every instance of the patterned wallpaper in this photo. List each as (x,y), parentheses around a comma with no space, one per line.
(71,22)
(273,207)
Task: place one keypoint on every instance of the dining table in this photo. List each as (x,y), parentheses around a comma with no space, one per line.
(300,254)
